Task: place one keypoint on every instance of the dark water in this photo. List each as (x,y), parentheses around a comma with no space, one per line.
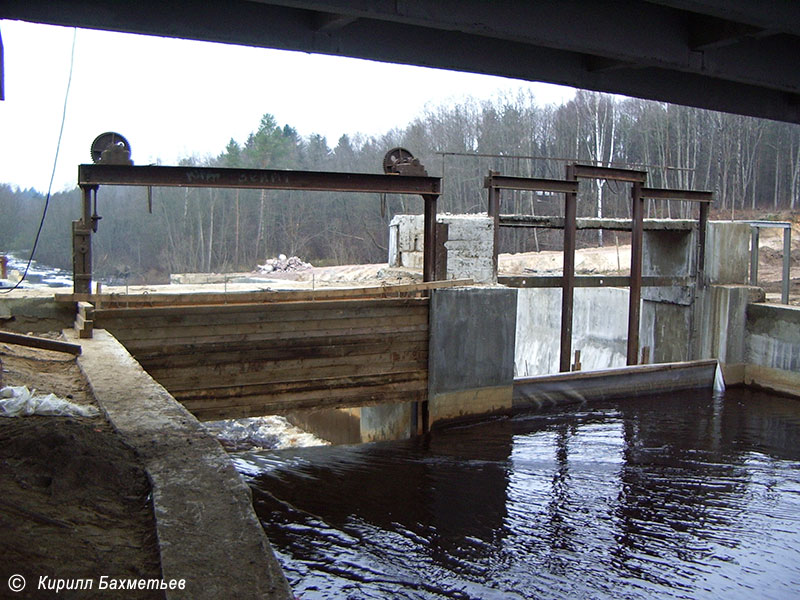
(681,496)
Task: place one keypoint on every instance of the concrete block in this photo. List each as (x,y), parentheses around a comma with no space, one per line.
(337,425)
(727,252)
(722,322)
(387,422)
(394,249)
(478,269)
(409,227)
(476,228)
(599,329)
(37,314)
(412,260)
(682,295)
(666,329)
(668,253)
(472,249)
(467,404)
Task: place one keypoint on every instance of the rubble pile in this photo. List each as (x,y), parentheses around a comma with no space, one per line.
(284,265)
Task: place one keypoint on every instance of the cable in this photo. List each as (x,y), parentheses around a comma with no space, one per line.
(55,162)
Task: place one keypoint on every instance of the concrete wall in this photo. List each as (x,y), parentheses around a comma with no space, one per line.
(469,245)
(772,337)
(406,241)
(471,352)
(599,329)
(35,312)
(358,425)
(727,252)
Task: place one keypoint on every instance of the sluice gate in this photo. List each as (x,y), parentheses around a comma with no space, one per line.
(239,360)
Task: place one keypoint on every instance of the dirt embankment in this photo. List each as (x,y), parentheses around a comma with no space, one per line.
(74,500)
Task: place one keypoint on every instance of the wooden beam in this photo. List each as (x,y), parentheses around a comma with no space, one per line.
(38,342)
(265,296)
(253,314)
(135,345)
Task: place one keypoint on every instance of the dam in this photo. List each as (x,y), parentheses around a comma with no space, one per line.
(465,376)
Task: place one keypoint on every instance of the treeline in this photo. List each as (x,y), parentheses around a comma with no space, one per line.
(752,165)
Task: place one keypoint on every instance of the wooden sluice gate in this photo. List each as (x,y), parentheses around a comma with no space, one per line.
(277,352)
(233,361)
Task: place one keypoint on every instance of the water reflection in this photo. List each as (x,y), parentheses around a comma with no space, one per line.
(669,497)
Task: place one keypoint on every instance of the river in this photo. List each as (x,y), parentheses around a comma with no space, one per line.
(679,496)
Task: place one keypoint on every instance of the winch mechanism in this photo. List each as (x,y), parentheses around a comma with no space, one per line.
(111,148)
(400,161)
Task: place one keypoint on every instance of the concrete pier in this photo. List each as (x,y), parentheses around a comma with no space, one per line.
(471,356)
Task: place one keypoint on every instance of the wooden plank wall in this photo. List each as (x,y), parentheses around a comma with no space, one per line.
(240,360)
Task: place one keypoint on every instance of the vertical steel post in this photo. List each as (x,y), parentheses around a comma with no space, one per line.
(699,283)
(754,231)
(82,245)
(429,243)
(493,210)
(568,278)
(787,253)
(701,245)
(636,273)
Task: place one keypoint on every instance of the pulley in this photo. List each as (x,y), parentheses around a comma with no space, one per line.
(400,161)
(111,148)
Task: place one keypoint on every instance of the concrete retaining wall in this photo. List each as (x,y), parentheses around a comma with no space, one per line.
(208,533)
(772,337)
(599,330)
(35,311)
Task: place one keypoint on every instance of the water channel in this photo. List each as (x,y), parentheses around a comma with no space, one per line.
(680,496)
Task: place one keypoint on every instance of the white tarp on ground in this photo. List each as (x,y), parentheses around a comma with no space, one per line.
(19,401)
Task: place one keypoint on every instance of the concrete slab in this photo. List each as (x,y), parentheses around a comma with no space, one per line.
(727,252)
(472,338)
(471,352)
(207,529)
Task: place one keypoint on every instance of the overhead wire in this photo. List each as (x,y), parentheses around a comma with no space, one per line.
(55,163)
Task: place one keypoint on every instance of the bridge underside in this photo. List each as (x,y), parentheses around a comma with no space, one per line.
(731,55)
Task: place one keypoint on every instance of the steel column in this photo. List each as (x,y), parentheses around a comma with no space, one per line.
(493,210)
(82,245)
(754,231)
(787,252)
(429,236)
(568,285)
(636,273)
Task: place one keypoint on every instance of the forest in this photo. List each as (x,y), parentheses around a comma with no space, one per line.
(752,166)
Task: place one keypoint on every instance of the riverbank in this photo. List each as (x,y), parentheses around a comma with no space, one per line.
(74,498)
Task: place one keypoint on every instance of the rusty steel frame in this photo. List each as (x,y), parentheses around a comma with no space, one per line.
(569,187)
(91,176)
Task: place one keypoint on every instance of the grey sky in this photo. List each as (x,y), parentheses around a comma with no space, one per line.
(175,98)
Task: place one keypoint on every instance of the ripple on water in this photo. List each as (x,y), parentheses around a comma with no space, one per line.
(671,497)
